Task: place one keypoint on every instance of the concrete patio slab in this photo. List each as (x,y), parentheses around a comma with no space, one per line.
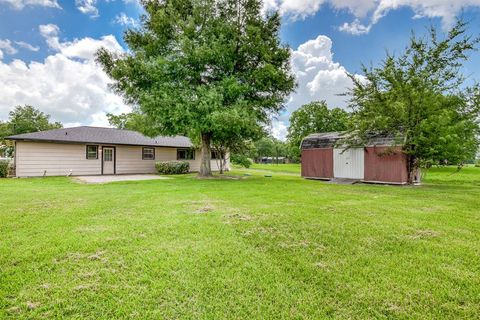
(117,178)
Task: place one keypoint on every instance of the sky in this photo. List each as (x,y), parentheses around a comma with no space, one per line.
(47,49)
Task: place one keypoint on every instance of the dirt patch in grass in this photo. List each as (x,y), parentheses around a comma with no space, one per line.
(423,234)
(32,305)
(78,257)
(14,310)
(201,206)
(204,209)
(238,217)
(295,244)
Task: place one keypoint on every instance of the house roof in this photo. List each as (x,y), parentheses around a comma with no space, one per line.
(98,135)
(330,139)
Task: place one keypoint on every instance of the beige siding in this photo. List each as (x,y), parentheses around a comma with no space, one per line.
(129,159)
(33,159)
(195,164)
(56,159)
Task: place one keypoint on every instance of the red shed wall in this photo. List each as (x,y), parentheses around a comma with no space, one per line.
(317,163)
(385,168)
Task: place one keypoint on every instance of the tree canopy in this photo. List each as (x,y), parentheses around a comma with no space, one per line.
(314,117)
(419,97)
(195,67)
(127,121)
(24,119)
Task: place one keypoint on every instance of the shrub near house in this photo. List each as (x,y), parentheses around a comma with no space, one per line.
(172,167)
(4,164)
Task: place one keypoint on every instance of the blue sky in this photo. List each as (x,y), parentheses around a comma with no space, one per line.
(47,46)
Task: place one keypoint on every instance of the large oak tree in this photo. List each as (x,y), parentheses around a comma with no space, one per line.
(195,62)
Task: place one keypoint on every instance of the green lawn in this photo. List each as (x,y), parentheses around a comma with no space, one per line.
(287,168)
(250,248)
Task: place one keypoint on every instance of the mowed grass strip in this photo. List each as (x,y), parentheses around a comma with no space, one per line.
(245,247)
(285,168)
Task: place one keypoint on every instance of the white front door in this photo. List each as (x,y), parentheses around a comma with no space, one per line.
(108,160)
(349,163)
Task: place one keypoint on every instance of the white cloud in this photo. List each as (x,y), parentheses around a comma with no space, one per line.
(79,48)
(124,20)
(6,45)
(1,54)
(356,28)
(50,33)
(319,77)
(373,10)
(279,130)
(68,84)
(87,7)
(27,46)
(20,4)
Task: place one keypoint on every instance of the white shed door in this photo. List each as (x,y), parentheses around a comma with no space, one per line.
(349,163)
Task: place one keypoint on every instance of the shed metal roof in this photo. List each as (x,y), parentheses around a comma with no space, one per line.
(98,135)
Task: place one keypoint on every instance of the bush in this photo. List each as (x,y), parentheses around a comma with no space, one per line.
(4,166)
(477,164)
(172,167)
(241,160)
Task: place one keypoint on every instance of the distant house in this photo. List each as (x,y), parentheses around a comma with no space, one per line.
(272,160)
(98,151)
(381,160)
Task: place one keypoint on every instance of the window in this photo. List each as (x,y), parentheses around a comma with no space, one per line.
(185,154)
(92,152)
(107,154)
(215,155)
(148,153)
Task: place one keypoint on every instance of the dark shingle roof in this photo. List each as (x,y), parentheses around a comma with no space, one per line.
(331,139)
(97,135)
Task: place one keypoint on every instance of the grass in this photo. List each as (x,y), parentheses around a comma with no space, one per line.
(254,247)
(286,168)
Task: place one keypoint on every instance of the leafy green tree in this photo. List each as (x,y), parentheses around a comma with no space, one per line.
(194,62)
(264,147)
(314,117)
(418,98)
(270,147)
(24,119)
(4,131)
(232,133)
(127,121)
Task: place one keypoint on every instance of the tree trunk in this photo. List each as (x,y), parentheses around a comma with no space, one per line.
(205,167)
(411,169)
(221,166)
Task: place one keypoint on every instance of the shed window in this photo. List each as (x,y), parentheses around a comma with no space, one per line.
(215,155)
(185,154)
(148,153)
(92,152)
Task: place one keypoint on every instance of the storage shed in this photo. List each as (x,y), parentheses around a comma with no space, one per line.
(381,160)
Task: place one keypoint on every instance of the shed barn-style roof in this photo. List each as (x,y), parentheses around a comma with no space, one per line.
(331,139)
(98,135)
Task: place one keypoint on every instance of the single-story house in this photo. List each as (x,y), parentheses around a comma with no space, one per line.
(99,151)
(381,160)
